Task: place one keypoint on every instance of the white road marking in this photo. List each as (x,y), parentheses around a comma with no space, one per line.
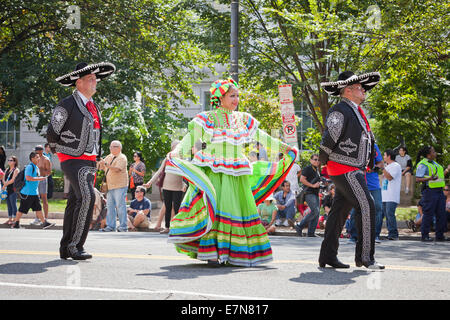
(134,291)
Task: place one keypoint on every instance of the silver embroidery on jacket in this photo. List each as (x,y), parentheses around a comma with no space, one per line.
(359,161)
(69,137)
(347,146)
(327,150)
(59,118)
(335,123)
(76,152)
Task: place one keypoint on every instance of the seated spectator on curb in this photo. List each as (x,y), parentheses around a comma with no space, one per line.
(99,212)
(286,205)
(139,210)
(414,224)
(268,213)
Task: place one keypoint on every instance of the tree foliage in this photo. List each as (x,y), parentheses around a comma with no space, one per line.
(411,103)
(149,41)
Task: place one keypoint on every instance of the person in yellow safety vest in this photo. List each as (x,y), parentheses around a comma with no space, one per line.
(432,175)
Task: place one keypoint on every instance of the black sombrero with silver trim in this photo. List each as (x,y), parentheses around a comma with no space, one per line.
(101,71)
(346,78)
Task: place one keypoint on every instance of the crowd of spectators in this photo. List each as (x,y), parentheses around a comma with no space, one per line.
(296,204)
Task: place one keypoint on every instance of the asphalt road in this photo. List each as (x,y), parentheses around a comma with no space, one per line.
(144,266)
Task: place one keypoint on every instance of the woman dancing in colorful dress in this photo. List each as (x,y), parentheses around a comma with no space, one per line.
(218,220)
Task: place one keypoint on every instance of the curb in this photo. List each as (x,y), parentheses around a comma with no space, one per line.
(277,233)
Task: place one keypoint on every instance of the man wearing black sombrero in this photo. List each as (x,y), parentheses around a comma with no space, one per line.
(74,134)
(347,148)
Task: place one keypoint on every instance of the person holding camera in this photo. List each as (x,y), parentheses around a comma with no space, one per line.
(311,180)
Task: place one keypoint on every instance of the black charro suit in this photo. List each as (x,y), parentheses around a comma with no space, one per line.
(71,133)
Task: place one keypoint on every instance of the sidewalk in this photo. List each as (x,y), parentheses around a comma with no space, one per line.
(57,217)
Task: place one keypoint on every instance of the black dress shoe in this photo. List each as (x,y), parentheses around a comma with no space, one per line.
(427,239)
(63,253)
(334,264)
(81,255)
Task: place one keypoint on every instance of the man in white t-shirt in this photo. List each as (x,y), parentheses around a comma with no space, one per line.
(293,176)
(390,192)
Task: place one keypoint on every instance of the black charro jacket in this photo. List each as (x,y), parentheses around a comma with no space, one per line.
(346,139)
(71,129)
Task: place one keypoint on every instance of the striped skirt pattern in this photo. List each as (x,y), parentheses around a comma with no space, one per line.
(218,218)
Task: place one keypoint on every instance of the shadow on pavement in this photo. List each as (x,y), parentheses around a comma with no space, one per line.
(32,268)
(197,270)
(329,276)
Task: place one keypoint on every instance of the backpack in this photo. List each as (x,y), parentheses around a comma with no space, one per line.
(19,182)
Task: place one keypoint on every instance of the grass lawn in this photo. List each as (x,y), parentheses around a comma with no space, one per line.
(406,213)
(54,205)
(402,213)
(58,205)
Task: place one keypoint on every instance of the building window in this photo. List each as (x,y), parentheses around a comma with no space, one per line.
(206,101)
(307,122)
(10,133)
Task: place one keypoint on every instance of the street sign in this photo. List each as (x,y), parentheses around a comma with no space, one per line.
(288,114)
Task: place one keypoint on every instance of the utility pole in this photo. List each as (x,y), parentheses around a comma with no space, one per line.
(234,45)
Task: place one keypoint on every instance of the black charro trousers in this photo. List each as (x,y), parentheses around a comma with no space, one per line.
(80,203)
(351,192)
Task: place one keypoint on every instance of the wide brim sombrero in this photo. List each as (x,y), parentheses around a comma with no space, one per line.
(346,78)
(101,70)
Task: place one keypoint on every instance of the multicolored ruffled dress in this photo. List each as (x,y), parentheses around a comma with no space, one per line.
(218,217)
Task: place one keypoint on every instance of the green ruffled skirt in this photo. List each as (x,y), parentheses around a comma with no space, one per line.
(218,218)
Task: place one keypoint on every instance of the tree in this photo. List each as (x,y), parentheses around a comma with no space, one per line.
(412,100)
(303,43)
(148,41)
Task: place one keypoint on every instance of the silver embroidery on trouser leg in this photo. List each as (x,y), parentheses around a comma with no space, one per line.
(83,174)
(365,212)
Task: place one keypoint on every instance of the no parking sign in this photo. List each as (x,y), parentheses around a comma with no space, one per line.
(288,114)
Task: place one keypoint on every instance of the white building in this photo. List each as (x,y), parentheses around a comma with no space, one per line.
(20,140)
